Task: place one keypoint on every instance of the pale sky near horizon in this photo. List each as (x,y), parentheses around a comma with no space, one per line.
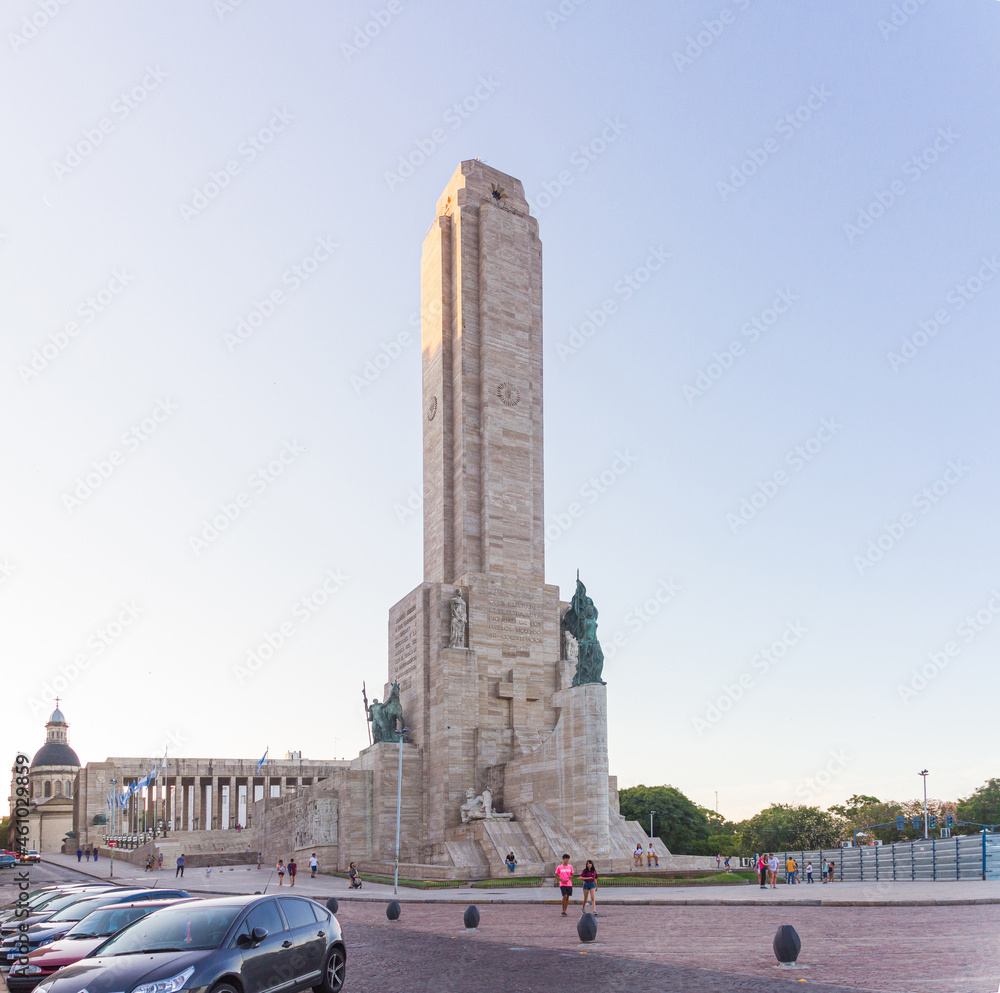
(770,260)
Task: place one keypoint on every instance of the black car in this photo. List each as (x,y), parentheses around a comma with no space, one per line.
(239,944)
(18,945)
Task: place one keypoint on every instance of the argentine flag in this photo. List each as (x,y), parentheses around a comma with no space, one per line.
(263,758)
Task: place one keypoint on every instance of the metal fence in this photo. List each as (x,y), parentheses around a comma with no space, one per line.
(968,856)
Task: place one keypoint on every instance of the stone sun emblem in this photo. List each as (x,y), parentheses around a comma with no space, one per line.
(509,394)
(499,194)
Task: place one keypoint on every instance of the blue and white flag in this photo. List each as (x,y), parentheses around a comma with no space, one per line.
(263,758)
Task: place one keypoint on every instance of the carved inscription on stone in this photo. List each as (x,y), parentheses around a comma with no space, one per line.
(404,643)
(517,625)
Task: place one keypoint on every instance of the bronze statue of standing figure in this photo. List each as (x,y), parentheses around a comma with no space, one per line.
(581,622)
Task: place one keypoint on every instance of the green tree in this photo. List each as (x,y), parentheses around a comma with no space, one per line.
(784,827)
(677,821)
(982,805)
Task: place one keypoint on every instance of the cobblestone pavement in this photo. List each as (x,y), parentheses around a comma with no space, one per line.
(527,946)
(894,950)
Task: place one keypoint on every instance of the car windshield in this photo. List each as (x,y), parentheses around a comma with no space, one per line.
(58,903)
(77,911)
(182,928)
(105,922)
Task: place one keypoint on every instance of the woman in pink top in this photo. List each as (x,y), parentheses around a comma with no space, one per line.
(589,879)
(564,879)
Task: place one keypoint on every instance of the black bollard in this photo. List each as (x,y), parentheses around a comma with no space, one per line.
(332,905)
(586,928)
(787,944)
(471,918)
(392,911)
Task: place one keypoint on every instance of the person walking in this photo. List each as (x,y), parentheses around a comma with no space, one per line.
(79,854)
(159,861)
(829,869)
(589,879)
(281,872)
(260,858)
(180,866)
(293,868)
(809,872)
(96,850)
(564,880)
(88,853)
(313,865)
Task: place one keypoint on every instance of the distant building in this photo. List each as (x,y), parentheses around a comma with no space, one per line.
(52,778)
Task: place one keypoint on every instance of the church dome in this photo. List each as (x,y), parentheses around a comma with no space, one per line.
(55,753)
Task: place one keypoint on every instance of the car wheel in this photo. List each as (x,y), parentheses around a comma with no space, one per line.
(333,972)
(224,988)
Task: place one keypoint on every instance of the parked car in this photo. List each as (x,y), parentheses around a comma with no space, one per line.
(47,908)
(78,942)
(7,861)
(226,944)
(40,898)
(20,943)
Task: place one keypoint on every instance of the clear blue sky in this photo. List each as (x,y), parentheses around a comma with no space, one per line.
(817,169)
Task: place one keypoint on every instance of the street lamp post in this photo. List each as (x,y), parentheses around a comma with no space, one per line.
(924,773)
(399,805)
(651,823)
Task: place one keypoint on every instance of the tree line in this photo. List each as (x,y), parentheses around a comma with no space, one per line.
(688,829)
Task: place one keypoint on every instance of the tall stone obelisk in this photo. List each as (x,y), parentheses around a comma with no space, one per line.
(476,648)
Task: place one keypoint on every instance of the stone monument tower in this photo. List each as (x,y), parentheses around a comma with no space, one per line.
(476,648)
(503,752)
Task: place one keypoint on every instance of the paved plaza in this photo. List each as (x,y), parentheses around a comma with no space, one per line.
(893,938)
